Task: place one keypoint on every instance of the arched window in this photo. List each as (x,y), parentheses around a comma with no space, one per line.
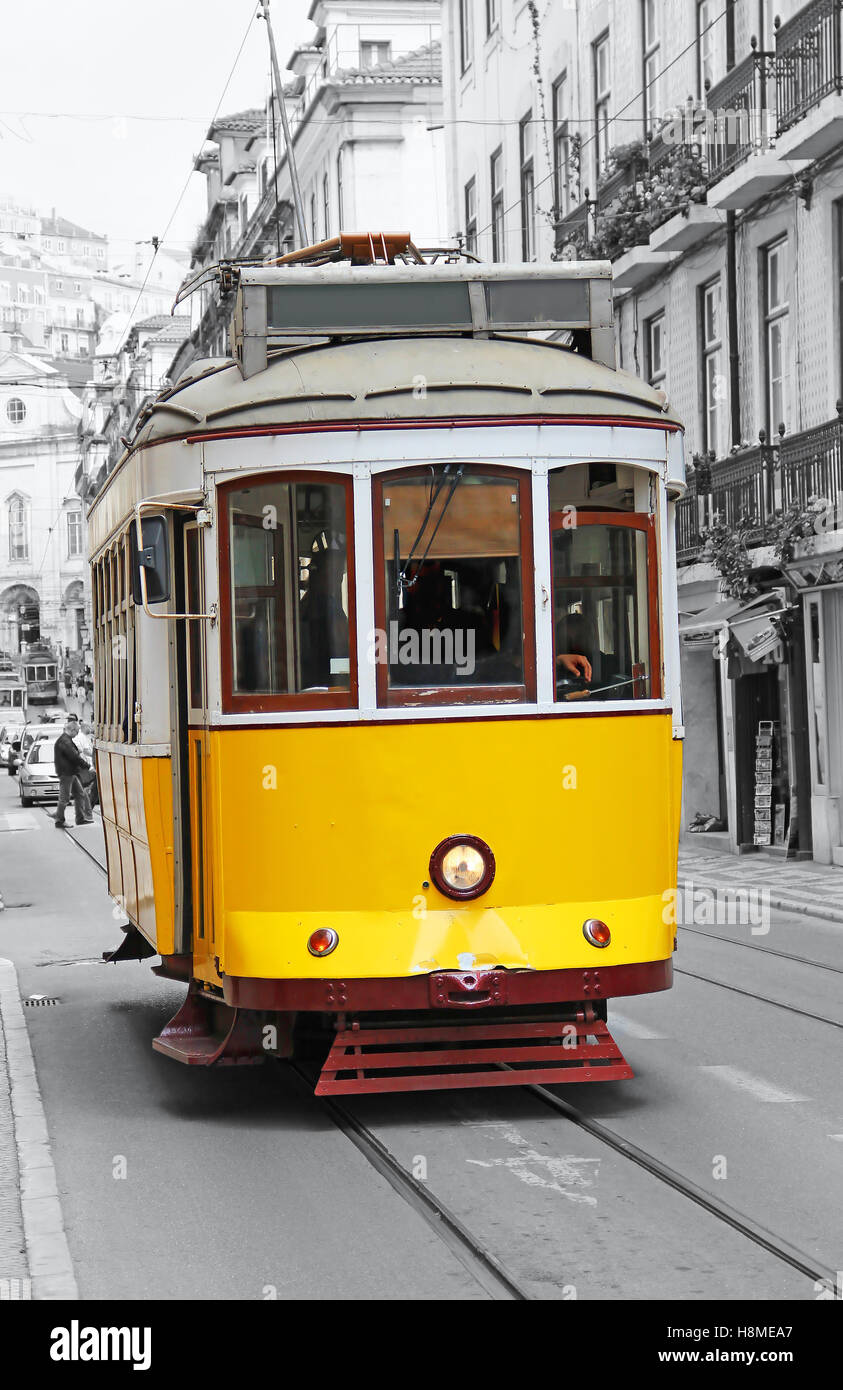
(18,528)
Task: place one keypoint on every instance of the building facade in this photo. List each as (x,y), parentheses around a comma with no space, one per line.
(43,565)
(698,145)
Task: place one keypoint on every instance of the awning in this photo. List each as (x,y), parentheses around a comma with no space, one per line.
(750,623)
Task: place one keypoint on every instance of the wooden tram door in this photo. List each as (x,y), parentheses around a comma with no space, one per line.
(200,778)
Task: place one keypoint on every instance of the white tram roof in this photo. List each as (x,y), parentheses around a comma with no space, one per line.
(379,379)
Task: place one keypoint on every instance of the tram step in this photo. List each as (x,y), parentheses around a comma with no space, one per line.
(433,1058)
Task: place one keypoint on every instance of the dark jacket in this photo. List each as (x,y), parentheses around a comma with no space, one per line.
(68,760)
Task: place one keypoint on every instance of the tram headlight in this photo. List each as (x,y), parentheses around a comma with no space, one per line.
(462,867)
(596,932)
(322,942)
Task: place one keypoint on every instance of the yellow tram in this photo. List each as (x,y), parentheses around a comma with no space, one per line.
(387,676)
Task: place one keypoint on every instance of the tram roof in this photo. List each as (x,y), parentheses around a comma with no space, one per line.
(419,378)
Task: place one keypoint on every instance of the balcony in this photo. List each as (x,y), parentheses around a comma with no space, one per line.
(740,126)
(809,81)
(761,483)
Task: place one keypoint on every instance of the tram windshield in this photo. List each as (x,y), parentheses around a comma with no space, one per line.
(602,610)
(288,564)
(452,579)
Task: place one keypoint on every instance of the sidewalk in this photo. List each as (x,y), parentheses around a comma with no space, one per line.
(816,890)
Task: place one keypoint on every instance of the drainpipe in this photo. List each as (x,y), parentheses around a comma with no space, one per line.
(732,315)
(732,267)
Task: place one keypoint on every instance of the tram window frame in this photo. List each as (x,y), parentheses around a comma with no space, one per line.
(234,702)
(523,692)
(633,521)
(194,602)
(114,642)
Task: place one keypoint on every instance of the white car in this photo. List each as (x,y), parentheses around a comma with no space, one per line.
(37,777)
(9,733)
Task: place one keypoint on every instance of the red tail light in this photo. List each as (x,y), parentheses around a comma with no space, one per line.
(596,932)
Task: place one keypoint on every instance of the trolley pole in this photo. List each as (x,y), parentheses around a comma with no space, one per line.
(298,204)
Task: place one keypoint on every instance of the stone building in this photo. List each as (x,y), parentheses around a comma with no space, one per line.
(43,567)
(697,145)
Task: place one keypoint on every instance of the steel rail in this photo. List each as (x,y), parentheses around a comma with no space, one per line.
(743,1225)
(766,950)
(480,1262)
(762,998)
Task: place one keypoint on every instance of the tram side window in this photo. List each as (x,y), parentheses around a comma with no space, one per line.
(290,599)
(602,619)
(115,651)
(452,611)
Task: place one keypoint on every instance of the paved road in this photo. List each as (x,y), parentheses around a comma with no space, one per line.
(237,1185)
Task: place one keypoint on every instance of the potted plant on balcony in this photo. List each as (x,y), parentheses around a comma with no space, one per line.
(726,548)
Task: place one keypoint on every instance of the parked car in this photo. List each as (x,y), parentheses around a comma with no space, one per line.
(27,737)
(37,779)
(9,732)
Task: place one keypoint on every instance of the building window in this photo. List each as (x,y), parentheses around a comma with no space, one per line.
(496,168)
(713,380)
(471,216)
(373,52)
(15,411)
(705,46)
(340,203)
(100,253)
(776,326)
(600,63)
(326,206)
(59,286)
(492,17)
(652,60)
(561,148)
(18,529)
(77,288)
(60,247)
(656,350)
(65,343)
(465,33)
(528,189)
(74,534)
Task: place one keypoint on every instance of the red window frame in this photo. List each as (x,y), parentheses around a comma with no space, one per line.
(233,702)
(525,692)
(633,521)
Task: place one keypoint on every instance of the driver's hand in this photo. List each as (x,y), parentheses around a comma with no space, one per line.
(575,664)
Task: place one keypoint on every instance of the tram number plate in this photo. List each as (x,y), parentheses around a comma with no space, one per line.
(468,989)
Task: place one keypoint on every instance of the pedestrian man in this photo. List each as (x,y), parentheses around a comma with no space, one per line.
(69,764)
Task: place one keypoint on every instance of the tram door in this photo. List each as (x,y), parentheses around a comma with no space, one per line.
(199,769)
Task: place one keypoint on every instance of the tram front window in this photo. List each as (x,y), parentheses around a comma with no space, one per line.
(602,611)
(452,570)
(288,566)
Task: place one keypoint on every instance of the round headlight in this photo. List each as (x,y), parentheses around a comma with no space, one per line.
(462,867)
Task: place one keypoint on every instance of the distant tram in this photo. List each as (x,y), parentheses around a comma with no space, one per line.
(12,692)
(387,674)
(40,671)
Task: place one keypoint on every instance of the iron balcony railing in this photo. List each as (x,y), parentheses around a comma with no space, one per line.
(688,540)
(808,60)
(811,465)
(755,485)
(739,119)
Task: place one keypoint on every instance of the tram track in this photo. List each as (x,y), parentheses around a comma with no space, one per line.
(489,1272)
(765,950)
(761,998)
(721,1211)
